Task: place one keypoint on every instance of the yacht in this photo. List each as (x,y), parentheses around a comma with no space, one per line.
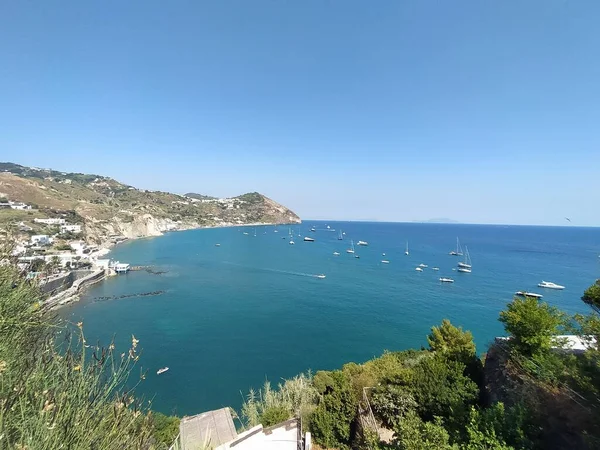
(422,265)
(313,229)
(528,294)
(435,268)
(385,261)
(446,280)
(406,252)
(291,241)
(365,243)
(308,239)
(163,370)
(464,269)
(246,233)
(550,285)
(351,249)
(320,276)
(336,253)
(418,269)
(217,245)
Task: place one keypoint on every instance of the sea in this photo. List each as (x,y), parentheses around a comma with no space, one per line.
(225,318)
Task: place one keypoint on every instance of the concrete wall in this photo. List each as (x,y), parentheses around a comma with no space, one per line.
(63,282)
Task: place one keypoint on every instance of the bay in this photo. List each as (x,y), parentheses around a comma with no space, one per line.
(234,315)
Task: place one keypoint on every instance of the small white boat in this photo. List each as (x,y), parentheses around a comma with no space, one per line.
(313,229)
(435,268)
(383,254)
(291,242)
(336,253)
(423,265)
(351,249)
(550,285)
(385,261)
(446,280)
(320,276)
(246,233)
(328,227)
(464,269)
(308,239)
(458,251)
(217,245)
(357,257)
(163,370)
(365,243)
(528,294)
(406,252)
(418,269)
(340,236)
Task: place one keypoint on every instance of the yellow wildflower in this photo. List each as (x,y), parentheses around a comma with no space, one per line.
(77,367)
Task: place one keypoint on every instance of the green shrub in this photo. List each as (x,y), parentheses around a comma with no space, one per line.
(164,429)
(412,433)
(452,342)
(274,415)
(390,403)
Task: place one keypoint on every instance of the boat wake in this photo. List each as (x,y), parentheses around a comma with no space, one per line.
(283,272)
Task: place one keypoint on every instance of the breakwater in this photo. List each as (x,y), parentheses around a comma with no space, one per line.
(70,294)
(117,297)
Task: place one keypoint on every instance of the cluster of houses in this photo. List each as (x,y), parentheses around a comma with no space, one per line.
(62,223)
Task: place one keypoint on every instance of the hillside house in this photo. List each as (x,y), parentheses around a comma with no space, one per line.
(68,228)
(41,239)
(51,221)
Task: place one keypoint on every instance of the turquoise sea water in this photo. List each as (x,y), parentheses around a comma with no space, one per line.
(251,308)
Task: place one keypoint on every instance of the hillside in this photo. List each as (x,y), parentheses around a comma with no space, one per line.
(107,207)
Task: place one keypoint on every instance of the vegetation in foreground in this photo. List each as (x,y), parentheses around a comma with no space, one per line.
(529,395)
(56,393)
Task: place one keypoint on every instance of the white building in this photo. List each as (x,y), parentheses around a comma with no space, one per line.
(41,239)
(70,228)
(53,221)
(19,205)
(101,264)
(78,246)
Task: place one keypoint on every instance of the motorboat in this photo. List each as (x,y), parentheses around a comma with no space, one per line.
(406,252)
(384,261)
(246,233)
(313,229)
(422,265)
(217,245)
(528,294)
(464,269)
(163,370)
(364,243)
(320,276)
(435,268)
(336,253)
(340,237)
(291,242)
(550,285)
(446,280)
(418,269)
(308,239)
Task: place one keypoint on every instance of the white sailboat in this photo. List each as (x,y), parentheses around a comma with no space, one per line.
(406,252)
(458,251)
(466,266)
(340,237)
(351,249)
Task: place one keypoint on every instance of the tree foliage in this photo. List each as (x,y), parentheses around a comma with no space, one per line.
(412,433)
(531,324)
(453,342)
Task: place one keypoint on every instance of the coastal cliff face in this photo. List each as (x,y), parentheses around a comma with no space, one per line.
(108,209)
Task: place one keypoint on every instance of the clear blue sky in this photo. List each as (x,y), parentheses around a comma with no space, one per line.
(479,111)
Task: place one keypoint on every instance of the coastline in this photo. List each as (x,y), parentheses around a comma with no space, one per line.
(72,294)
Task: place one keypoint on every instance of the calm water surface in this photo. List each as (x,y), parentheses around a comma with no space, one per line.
(234,315)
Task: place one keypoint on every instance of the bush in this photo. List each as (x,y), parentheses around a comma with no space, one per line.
(390,403)
(331,422)
(531,324)
(412,433)
(452,342)
(591,296)
(274,415)
(164,429)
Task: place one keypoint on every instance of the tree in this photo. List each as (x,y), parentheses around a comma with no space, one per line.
(531,324)
(54,264)
(591,296)
(390,403)
(452,342)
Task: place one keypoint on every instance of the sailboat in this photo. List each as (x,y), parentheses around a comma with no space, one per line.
(458,251)
(340,237)
(465,267)
(254,231)
(351,249)
(406,252)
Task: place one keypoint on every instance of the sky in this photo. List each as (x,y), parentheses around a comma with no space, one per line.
(477,111)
